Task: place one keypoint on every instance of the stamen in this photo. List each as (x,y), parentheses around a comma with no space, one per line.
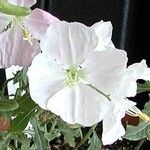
(27,35)
(72,76)
(135,112)
(144,117)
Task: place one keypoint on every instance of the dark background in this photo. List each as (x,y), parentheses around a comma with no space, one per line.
(129,19)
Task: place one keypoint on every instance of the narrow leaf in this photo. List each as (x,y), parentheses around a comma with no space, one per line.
(23,114)
(21,121)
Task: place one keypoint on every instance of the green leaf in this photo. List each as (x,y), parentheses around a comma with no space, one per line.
(3,146)
(21,121)
(69,134)
(8,105)
(144,87)
(40,140)
(142,130)
(95,142)
(52,134)
(23,114)
(21,77)
(22,139)
(137,133)
(25,104)
(146,109)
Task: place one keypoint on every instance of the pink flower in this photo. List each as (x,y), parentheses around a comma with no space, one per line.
(19,36)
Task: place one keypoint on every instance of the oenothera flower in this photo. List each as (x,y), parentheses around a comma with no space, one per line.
(74,80)
(20,34)
(62,78)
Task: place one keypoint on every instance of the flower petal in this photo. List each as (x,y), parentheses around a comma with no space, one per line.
(128,86)
(14,50)
(103,69)
(69,43)
(4,21)
(140,70)
(45,79)
(27,3)
(104,33)
(112,127)
(81,105)
(38,21)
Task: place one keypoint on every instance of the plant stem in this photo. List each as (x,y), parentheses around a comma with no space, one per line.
(10,9)
(86,137)
(139,144)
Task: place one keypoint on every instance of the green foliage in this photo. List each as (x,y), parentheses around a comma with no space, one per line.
(68,133)
(40,141)
(52,134)
(142,130)
(95,142)
(144,87)
(21,77)
(23,114)
(8,105)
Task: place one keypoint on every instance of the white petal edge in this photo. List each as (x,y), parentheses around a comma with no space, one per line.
(45,78)
(112,125)
(38,22)
(140,70)
(69,43)
(128,86)
(104,33)
(112,128)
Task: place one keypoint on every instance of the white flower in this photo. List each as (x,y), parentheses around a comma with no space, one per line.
(77,70)
(19,35)
(58,77)
(119,105)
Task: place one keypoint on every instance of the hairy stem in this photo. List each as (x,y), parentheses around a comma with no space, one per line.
(139,144)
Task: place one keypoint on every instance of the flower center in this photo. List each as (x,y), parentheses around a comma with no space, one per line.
(73,76)
(25,32)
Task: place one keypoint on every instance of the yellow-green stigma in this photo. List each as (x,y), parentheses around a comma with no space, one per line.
(15,20)
(27,35)
(72,76)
